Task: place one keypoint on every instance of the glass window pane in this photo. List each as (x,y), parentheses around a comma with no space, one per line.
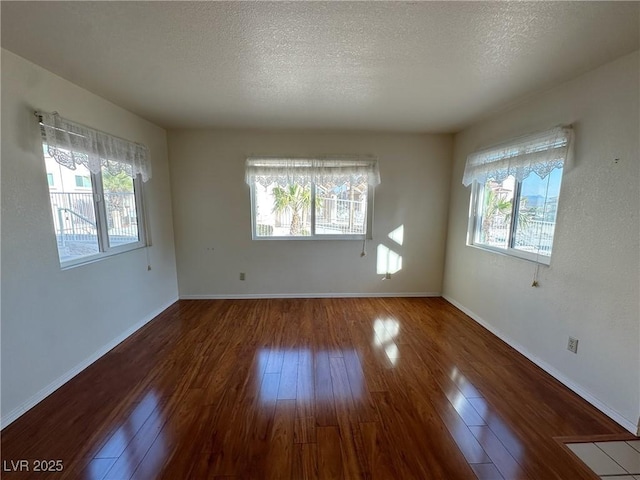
(537,209)
(120,205)
(83,181)
(495,200)
(73,209)
(341,207)
(282,211)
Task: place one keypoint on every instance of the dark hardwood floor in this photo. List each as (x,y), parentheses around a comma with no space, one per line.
(308,388)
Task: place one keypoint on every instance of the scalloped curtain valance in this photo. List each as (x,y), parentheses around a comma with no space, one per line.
(285,171)
(71,144)
(540,152)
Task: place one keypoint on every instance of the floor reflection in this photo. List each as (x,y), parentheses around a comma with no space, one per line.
(483,420)
(384,333)
(307,374)
(123,452)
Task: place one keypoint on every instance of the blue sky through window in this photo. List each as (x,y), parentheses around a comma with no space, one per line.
(533,185)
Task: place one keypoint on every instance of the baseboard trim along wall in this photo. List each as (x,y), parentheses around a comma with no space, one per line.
(58,382)
(567,382)
(307,295)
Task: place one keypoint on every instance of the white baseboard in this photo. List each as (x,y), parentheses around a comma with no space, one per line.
(566,381)
(230,296)
(58,382)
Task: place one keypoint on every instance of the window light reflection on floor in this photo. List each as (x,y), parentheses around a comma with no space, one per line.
(385,331)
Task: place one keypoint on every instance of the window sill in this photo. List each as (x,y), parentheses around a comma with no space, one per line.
(78,262)
(514,253)
(316,238)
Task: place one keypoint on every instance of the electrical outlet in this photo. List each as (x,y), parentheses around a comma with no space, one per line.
(242,276)
(572,345)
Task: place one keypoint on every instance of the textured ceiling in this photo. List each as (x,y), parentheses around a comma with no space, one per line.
(415,66)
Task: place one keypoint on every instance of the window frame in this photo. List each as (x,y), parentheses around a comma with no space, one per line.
(538,153)
(475,224)
(102,229)
(81,178)
(313,235)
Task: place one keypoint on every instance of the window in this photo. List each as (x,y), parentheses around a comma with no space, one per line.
(83,181)
(312,198)
(514,199)
(97,206)
(50,179)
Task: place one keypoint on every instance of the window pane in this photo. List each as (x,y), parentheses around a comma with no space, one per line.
(341,207)
(74,216)
(282,211)
(120,206)
(536,217)
(83,181)
(496,200)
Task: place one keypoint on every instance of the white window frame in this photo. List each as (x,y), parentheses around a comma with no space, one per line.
(105,250)
(82,177)
(475,225)
(72,144)
(312,171)
(313,235)
(537,152)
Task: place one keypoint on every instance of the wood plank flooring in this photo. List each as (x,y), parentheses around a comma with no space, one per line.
(392,388)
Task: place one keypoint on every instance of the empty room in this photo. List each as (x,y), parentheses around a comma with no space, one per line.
(320,240)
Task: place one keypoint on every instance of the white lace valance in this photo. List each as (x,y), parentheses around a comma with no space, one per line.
(318,170)
(72,144)
(539,152)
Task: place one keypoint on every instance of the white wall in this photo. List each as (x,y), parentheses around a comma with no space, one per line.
(54,322)
(591,289)
(212,219)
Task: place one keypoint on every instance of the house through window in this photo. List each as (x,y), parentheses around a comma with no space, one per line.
(96,204)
